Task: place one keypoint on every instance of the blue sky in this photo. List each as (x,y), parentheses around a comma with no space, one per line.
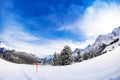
(42,18)
(47,25)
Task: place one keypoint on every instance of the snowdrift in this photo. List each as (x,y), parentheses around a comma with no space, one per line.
(104,67)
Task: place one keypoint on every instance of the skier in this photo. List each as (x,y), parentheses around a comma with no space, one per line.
(37,63)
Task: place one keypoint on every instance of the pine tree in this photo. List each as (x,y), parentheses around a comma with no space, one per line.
(78,58)
(85,56)
(88,55)
(55,59)
(45,61)
(66,56)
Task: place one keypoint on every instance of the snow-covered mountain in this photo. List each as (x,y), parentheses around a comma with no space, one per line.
(16,56)
(2,45)
(75,52)
(104,67)
(104,43)
(48,59)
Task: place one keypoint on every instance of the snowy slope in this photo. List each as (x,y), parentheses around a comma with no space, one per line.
(104,41)
(104,67)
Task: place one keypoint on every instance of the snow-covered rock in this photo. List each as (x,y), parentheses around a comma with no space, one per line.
(75,52)
(2,45)
(103,42)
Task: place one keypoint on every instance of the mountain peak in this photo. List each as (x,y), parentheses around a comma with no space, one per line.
(104,41)
(107,38)
(116,31)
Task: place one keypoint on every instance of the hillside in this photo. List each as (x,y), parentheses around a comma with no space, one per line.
(104,67)
(16,56)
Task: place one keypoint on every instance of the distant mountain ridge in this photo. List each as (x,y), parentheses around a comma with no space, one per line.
(15,56)
(102,44)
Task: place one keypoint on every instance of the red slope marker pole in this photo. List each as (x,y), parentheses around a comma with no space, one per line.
(37,66)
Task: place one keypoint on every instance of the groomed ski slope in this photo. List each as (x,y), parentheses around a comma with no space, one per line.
(104,67)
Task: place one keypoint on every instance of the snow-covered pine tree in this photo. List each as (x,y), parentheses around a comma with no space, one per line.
(55,59)
(66,56)
(45,61)
(85,56)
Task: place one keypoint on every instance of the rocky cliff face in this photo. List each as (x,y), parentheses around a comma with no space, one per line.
(16,56)
(104,43)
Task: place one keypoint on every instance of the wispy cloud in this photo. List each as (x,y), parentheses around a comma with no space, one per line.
(15,35)
(17,38)
(100,18)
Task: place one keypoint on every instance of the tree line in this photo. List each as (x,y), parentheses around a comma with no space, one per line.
(66,57)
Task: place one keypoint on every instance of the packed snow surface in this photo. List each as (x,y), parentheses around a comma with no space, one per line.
(104,67)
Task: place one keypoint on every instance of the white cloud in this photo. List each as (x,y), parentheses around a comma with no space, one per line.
(100,18)
(16,32)
(17,38)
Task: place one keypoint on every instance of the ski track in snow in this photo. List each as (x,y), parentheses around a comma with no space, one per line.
(104,67)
